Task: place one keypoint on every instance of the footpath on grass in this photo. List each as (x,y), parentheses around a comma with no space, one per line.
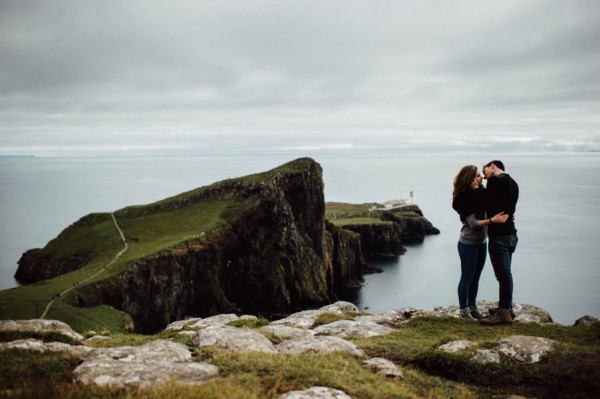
(105,267)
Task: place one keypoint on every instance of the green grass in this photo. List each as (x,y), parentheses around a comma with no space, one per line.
(572,371)
(146,234)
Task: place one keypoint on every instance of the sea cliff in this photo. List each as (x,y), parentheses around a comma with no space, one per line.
(259,244)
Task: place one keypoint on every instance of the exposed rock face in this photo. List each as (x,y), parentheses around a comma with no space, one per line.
(383,239)
(344,248)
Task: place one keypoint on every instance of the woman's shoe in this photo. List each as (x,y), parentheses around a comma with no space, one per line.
(475,312)
(465,313)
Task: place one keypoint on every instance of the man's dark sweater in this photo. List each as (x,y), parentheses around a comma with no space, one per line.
(502,193)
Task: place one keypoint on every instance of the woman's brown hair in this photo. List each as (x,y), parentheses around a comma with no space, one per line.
(463,180)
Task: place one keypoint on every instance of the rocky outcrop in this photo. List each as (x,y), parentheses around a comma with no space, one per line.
(162,361)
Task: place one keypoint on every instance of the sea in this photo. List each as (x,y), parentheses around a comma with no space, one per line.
(556,265)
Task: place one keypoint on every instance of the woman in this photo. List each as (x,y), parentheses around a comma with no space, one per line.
(468,200)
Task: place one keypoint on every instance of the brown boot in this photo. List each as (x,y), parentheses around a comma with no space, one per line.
(493,310)
(500,316)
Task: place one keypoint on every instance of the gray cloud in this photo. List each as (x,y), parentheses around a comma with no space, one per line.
(212,75)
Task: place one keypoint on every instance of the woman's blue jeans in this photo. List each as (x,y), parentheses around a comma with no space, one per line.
(501,250)
(472,259)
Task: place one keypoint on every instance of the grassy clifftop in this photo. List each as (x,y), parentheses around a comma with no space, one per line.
(168,231)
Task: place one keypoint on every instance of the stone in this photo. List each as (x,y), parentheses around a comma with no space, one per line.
(339,307)
(217,320)
(586,320)
(285,332)
(456,346)
(353,329)
(40,346)
(181,324)
(154,363)
(234,339)
(41,326)
(304,319)
(525,348)
(319,344)
(316,393)
(96,338)
(383,367)
(248,317)
(485,356)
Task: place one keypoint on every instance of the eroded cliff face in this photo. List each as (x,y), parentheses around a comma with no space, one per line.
(383,239)
(275,258)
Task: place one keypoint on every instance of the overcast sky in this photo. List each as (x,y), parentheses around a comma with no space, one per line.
(195,77)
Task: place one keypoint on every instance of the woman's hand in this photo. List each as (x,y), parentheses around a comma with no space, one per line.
(499,218)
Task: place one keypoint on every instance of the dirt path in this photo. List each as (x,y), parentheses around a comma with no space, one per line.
(105,267)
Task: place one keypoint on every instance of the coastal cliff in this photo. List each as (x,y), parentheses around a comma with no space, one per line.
(382,231)
(266,250)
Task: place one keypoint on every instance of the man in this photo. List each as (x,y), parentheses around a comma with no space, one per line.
(502,193)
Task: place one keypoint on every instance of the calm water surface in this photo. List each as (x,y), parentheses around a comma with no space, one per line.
(555,266)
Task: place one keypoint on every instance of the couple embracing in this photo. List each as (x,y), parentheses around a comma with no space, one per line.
(486,212)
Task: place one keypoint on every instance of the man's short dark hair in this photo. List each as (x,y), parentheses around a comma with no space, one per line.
(498,164)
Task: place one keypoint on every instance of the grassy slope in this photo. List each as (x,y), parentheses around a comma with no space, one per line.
(573,371)
(146,235)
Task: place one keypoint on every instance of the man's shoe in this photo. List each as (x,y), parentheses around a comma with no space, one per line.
(475,312)
(493,310)
(500,316)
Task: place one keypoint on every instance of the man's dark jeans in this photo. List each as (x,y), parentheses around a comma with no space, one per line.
(501,249)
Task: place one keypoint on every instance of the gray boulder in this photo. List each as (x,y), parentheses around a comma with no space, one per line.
(282,332)
(485,356)
(586,320)
(41,326)
(156,362)
(319,344)
(316,393)
(306,318)
(40,346)
(353,329)
(525,348)
(456,346)
(383,367)
(234,339)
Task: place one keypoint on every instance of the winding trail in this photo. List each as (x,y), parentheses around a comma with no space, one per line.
(105,267)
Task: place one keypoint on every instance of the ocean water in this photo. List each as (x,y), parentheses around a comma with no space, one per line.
(555,266)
